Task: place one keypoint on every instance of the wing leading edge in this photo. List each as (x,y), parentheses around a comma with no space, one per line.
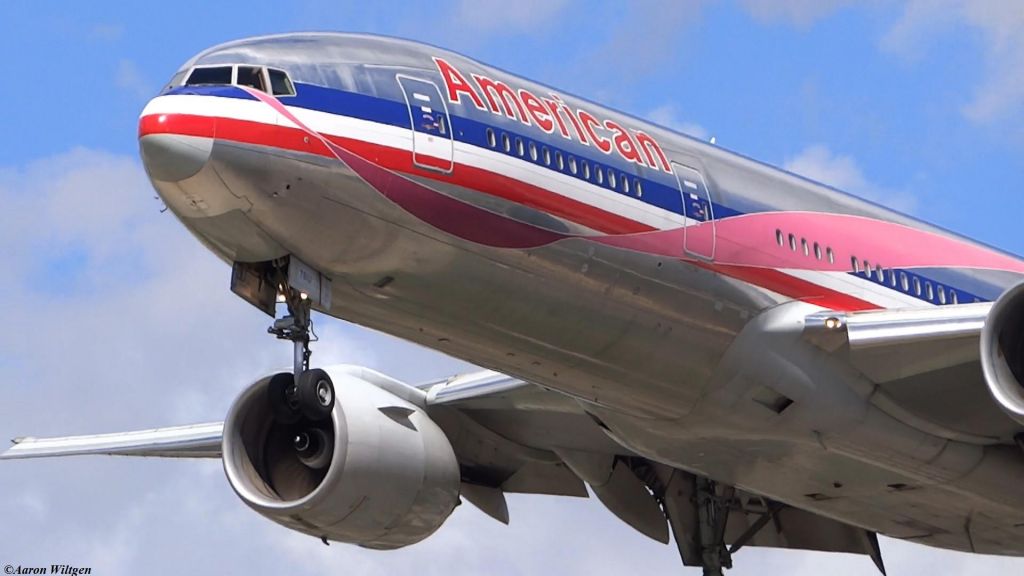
(191,441)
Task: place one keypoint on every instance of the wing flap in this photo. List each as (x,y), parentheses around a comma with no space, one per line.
(191,441)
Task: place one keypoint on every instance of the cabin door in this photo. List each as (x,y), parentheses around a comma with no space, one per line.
(431,127)
(699,235)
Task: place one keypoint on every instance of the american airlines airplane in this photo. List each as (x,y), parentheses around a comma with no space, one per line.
(725,353)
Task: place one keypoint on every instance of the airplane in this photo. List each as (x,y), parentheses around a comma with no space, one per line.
(725,353)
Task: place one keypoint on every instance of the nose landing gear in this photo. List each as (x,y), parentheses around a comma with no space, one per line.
(306,393)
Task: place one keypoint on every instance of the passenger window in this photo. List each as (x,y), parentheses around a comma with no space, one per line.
(491,140)
(505,142)
(547,156)
(625,185)
(586,169)
(903,282)
(280,84)
(854,263)
(803,245)
(792,242)
(942,294)
(210,76)
(572,164)
(831,256)
(559,160)
(953,297)
(252,77)
(879,275)
(892,277)
(917,286)
(519,147)
(867,269)
(611,179)
(817,251)
(599,174)
(778,238)
(928,291)
(638,186)
(533,151)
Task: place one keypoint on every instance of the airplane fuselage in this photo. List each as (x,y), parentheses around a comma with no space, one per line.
(541,235)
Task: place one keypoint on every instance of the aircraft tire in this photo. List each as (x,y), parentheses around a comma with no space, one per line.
(285,409)
(315,394)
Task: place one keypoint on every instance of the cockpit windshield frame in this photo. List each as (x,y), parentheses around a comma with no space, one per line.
(279,88)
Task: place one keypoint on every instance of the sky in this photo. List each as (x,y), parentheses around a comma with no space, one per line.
(117,319)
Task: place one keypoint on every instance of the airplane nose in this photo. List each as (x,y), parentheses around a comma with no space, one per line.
(174,157)
(175,146)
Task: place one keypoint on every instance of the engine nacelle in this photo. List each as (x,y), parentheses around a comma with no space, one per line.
(379,473)
(1002,352)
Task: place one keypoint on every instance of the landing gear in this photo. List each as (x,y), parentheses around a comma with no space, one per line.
(303,394)
(712,514)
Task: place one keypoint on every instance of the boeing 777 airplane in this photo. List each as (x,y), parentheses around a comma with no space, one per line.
(725,353)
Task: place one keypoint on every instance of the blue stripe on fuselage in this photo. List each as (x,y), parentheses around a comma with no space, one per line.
(921,279)
(469,131)
(474,132)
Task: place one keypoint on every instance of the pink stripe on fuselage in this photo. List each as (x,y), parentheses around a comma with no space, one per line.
(751,240)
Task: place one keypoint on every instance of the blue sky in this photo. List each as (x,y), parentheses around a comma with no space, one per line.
(125,321)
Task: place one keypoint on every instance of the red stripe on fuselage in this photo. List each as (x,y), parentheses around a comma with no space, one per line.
(297,140)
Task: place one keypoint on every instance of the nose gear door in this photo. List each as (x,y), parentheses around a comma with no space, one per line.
(432,146)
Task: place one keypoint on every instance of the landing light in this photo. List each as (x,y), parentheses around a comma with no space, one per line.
(833,323)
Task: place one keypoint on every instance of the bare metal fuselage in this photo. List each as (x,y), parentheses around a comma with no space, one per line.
(667,353)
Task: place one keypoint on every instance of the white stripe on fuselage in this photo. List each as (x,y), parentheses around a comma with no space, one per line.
(401,139)
(858,287)
(494,161)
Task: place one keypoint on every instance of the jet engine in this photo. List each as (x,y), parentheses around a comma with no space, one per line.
(1002,352)
(378,473)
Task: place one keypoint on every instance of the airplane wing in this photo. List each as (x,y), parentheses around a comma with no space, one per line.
(192,441)
(640,492)
(926,364)
(511,436)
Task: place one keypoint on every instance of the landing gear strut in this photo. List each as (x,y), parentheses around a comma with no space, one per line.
(712,514)
(304,393)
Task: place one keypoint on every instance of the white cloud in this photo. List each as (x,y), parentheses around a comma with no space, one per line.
(800,13)
(668,116)
(647,38)
(509,17)
(106,32)
(1000,24)
(819,163)
(128,77)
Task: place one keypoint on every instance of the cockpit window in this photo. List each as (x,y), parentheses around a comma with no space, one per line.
(280,84)
(252,77)
(209,75)
(241,75)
